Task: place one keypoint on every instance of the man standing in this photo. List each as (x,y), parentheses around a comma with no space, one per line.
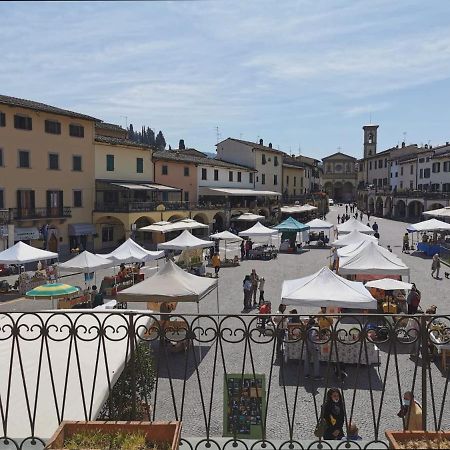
(312,356)
(215,260)
(375,227)
(435,266)
(254,279)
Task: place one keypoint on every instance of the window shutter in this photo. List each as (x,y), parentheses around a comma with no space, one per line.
(61,202)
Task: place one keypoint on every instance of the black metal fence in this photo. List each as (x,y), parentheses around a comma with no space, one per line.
(235,381)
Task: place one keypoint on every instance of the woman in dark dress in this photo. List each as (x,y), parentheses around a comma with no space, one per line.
(334,415)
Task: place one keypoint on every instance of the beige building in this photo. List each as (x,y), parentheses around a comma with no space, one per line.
(47,173)
(340,177)
(294,181)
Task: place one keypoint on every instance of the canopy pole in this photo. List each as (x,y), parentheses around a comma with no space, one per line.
(225,250)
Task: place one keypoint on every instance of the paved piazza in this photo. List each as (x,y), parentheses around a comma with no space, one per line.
(231,302)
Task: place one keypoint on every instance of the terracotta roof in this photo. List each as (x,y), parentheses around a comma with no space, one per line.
(109,126)
(257,146)
(119,141)
(36,106)
(187,156)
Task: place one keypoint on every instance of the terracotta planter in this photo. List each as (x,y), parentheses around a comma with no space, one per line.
(163,432)
(396,438)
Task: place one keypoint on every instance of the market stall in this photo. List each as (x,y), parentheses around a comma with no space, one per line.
(317,230)
(249,217)
(290,230)
(353,238)
(227,237)
(430,245)
(68,296)
(443,213)
(390,294)
(263,251)
(353,225)
(131,252)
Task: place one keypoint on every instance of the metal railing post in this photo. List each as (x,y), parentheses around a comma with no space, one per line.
(425,362)
(132,335)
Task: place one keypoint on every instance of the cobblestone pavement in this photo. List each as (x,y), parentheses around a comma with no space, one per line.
(284,389)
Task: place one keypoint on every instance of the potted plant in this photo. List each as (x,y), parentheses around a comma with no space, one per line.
(418,439)
(116,436)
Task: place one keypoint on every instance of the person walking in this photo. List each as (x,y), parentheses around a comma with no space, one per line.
(247,286)
(413,300)
(361,216)
(411,413)
(435,266)
(247,249)
(368,215)
(405,248)
(375,227)
(254,279)
(346,209)
(312,359)
(215,260)
(339,219)
(334,415)
(262,283)
(242,250)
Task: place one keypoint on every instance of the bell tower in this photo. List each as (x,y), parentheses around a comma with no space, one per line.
(370,140)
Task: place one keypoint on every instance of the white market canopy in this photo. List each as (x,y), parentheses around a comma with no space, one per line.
(166,227)
(130,252)
(250,217)
(352,238)
(325,288)
(170,284)
(388,284)
(184,241)
(22,253)
(429,225)
(352,225)
(441,212)
(259,230)
(297,209)
(319,224)
(372,260)
(85,262)
(226,236)
(204,190)
(353,249)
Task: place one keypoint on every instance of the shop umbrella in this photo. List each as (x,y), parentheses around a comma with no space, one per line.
(52,291)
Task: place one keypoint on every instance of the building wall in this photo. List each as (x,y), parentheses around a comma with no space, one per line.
(39,177)
(236,152)
(443,176)
(125,165)
(175,177)
(293,181)
(223,180)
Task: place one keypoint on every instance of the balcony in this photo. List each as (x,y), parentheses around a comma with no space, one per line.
(219,375)
(40,213)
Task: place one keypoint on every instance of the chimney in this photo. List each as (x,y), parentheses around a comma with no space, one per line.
(261,142)
(426,145)
(270,144)
(403,144)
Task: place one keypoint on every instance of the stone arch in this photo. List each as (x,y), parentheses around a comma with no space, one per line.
(338,191)
(347,191)
(175,217)
(202,218)
(143,237)
(400,209)
(388,207)
(379,207)
(219,221)
(415,209)
(111,232)
(371,205)
(435,206)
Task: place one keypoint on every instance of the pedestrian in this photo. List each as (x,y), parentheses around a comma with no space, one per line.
(389,248)
(368,215)
(242,250)
(247,249)
(334,415)
(361,216)
(405,248)
(375,226)
(346,209)
(247,286)
(96,297)
(262,282)
(339,219)
(352,433)
(413,299)
(435,266)
(215,260)
(254,279)
(280,325)
(411,413)
(368,224)
(312,357)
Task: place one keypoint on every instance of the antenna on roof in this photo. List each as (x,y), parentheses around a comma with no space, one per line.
(299,150)
(370,117)
(217,134)
(404,137)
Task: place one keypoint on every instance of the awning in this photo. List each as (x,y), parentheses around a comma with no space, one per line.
(26,234)
(146,187)
(81,229)
(204,190)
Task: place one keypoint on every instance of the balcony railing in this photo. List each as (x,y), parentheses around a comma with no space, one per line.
(409,193)
(235,376)
(40,213)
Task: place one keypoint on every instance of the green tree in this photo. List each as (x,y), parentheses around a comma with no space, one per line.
(181,145)
(160,142)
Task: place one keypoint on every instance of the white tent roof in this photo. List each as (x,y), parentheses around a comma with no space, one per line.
(429,225)
(319,224)
(354,224)
(171,283)
(441,212)
(130,252)
(249,217)
(226,236)
(372,260)
(258,230)
(85,262)
(165,227)
(325,288)
(297,209)
(183,241)
(21,253)
(352,238)
(388,284)
(353,249)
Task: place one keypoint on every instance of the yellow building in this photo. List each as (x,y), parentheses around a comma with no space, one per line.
(293,177)
(47,173)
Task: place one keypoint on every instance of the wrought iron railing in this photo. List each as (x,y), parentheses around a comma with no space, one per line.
(40,213)
(234,381)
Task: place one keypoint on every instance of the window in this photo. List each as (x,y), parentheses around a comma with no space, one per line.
(77,199)
(370,165)
(250,177)
(76,163)
(287,180)
(275,180)
(216,175)
(275,161)
(295,182)
(1,157)
(22,122)
(380,164)
(186,171)
(401,171)
(53,161)
(24,158)
(385,181)
(230,175)
(76,130)
(401,184)
(435,187)
(446,165)
(436,167)
(427,159)
(2,119)
(139,165)
(426,173)
(396,174)
(421,160)
(107,234)
(186,196)
(421,173)
(52,127)
(164,170)
(445,187)
(239,175)
(301,182)
(25,202)
(110,163)
(411,169)
(263,178)
(55,202)
(263,158)
(204,174)
(385,162)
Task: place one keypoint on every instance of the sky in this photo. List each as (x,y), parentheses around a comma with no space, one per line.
(305,75)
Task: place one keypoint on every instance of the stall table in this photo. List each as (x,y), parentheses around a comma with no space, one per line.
(428,249)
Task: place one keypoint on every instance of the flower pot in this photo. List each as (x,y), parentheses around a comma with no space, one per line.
(397,439)
(158,432)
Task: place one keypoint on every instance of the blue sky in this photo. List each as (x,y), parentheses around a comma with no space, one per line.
(296,73)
